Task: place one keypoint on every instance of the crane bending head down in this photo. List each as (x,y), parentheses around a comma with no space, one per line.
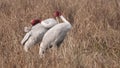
(37,32)
(33,23)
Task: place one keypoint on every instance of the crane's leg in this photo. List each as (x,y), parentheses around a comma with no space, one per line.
(55,49)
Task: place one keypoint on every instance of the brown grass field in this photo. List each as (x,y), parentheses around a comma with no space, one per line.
(93,41)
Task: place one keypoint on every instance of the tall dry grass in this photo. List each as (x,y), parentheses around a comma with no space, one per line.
(93,42)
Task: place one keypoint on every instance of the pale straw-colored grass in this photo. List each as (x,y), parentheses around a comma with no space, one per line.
(93,42)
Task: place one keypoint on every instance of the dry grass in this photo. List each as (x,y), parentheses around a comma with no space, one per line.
(93,42)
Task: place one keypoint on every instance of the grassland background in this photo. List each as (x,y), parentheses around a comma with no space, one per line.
(93,42)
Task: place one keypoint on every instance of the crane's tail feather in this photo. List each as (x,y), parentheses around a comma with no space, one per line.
(26,37)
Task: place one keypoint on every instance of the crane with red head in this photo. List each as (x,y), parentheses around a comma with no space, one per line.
(55,35)
(36,33)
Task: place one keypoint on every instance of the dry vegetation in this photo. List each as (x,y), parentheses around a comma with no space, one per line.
(93,42)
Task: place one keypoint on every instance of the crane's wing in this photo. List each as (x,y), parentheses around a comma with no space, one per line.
(60,38)
(48,23)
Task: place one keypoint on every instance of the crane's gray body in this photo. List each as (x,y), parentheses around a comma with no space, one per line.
(55,35)
(37,32)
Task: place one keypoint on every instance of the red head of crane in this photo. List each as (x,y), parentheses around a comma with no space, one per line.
(35,21)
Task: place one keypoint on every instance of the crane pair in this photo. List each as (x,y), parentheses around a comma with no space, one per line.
(49,32)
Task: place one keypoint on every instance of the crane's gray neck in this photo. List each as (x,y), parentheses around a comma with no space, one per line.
(63,19)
